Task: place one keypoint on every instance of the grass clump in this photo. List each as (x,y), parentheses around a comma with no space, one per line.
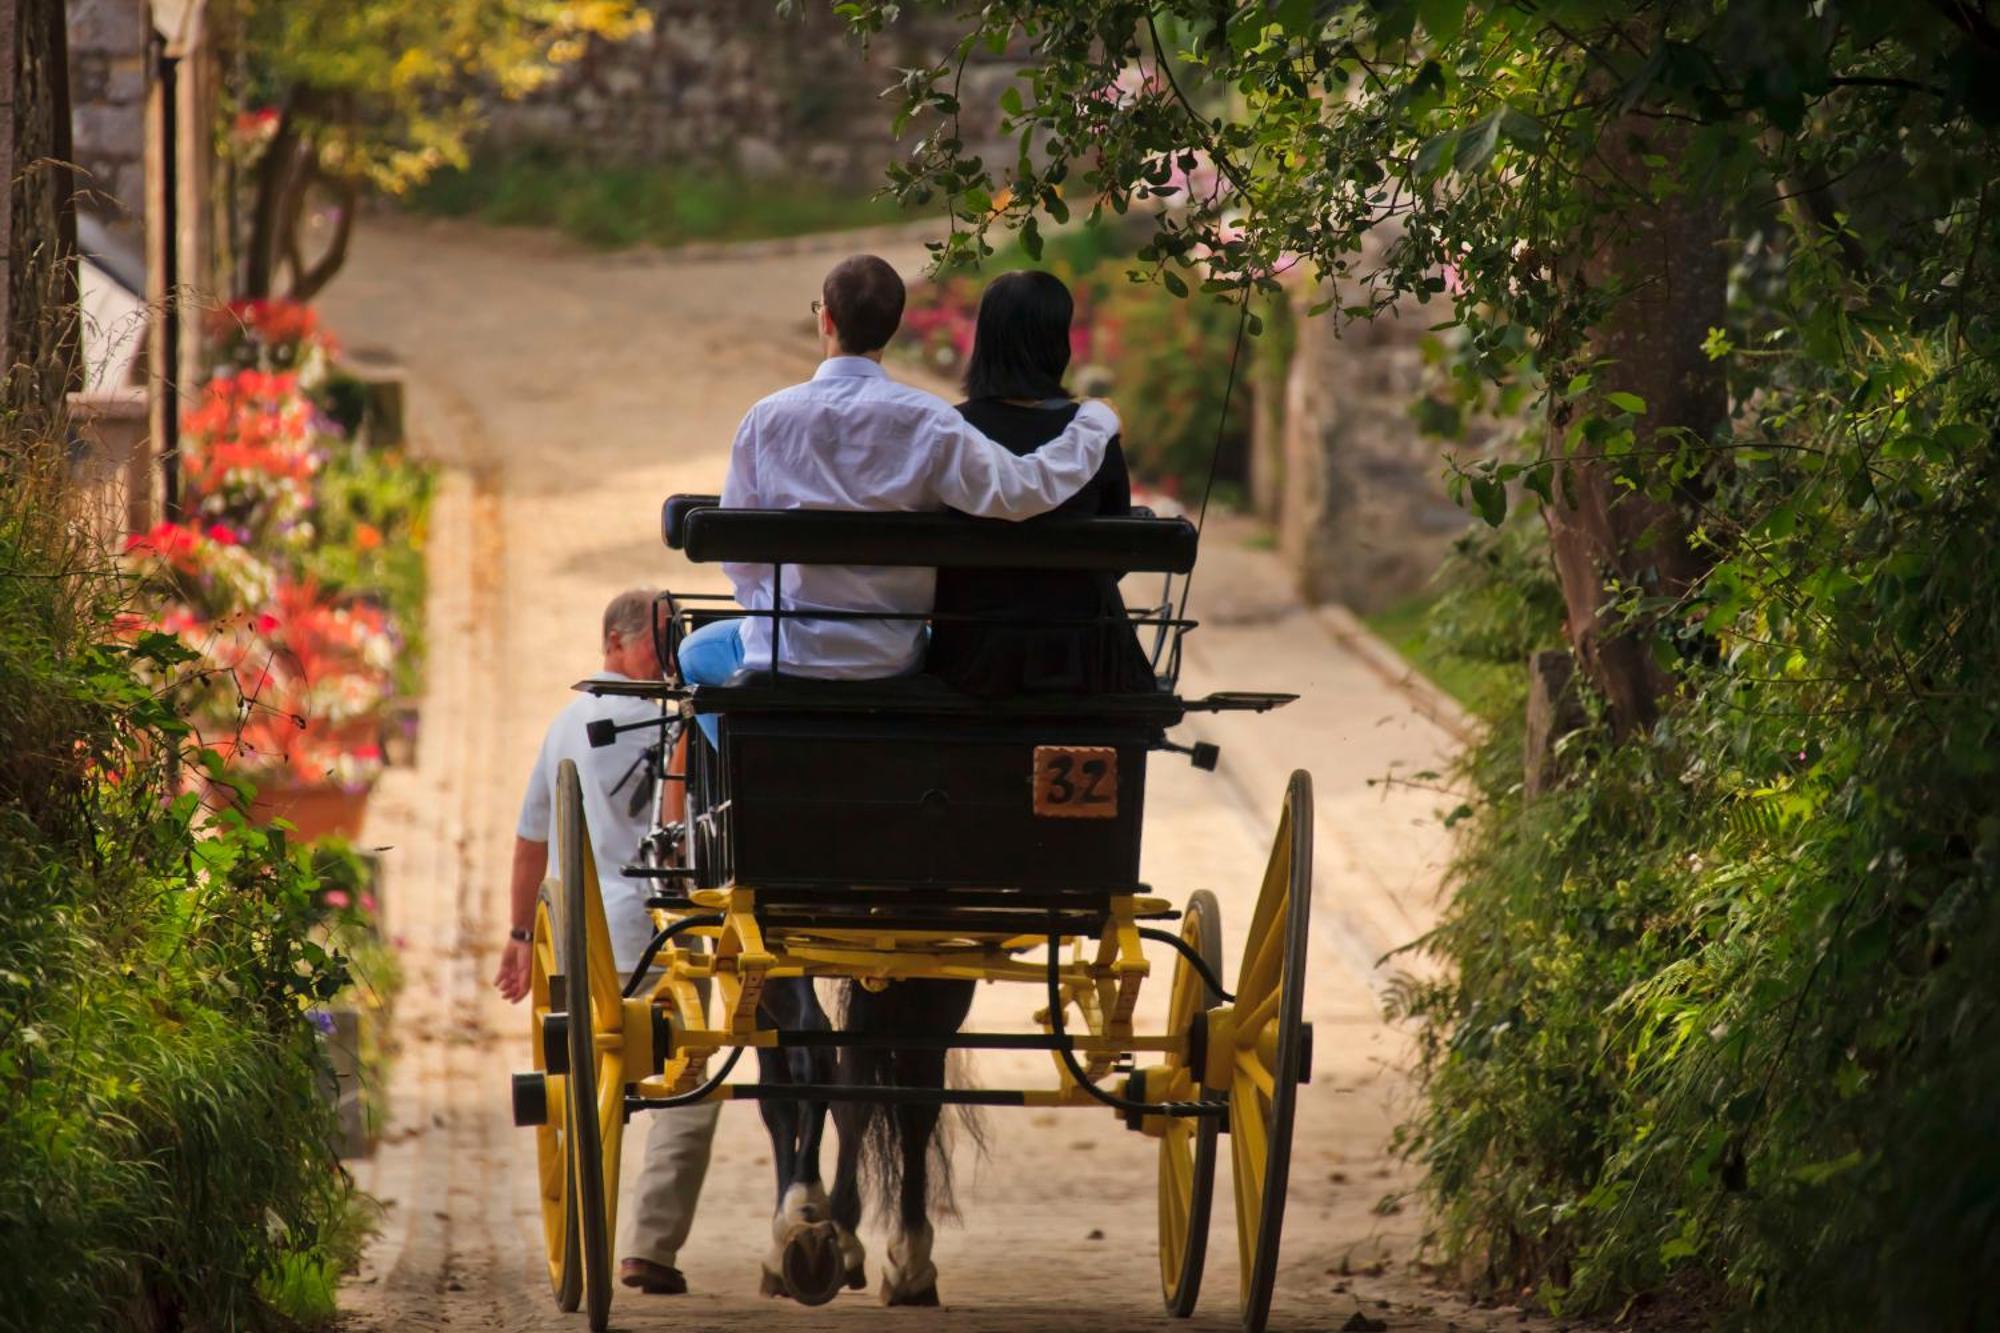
(165,1151)
(616,207)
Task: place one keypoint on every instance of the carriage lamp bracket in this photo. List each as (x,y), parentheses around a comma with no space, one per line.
(1202,754)
(1067,1052)
(602,731)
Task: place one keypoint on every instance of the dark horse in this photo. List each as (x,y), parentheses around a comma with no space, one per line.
(814,1248)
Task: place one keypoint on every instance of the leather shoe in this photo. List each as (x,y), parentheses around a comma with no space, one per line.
(651,1278)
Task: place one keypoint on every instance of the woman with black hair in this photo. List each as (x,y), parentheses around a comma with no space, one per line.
(1046,631)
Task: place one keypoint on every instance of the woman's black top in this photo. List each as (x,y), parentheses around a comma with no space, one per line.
(1023,657)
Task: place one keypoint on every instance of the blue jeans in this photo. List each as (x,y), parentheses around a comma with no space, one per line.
(710,656)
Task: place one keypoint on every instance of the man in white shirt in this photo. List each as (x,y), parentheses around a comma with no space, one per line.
(852,438)
(617,810)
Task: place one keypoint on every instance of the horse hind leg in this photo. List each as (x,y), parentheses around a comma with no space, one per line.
(908,1275)
(807,1260)
(850,1122)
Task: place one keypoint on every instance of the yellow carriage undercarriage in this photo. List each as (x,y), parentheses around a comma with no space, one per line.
(1223,1062)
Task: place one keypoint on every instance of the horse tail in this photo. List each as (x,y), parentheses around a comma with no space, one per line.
(923,1007)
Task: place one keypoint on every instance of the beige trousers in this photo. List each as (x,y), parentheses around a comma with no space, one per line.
(669,1185)
(675,1163)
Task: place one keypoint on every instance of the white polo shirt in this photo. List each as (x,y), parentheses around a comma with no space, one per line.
(614,830)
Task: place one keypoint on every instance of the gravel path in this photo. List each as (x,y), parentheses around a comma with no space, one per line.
(565,393)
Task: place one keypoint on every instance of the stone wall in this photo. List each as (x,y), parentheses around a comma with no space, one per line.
(730,84)
(107,84)
(1354,490)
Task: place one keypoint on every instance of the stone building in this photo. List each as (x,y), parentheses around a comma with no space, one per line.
(730,85)
(107,82)
(1339,468)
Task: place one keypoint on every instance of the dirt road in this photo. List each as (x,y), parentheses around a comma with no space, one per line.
(565,394)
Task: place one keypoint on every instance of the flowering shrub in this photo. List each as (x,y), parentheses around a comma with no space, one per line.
(273,335)
(250,449)
(1165,361)
(938,324)
(300,687)
(204,572)
(285,593)
(251,132)
(941,319)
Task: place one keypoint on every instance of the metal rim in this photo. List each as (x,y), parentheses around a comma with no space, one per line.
(596,1078)
(1268,1032)
(1187,1147)
(552,1136)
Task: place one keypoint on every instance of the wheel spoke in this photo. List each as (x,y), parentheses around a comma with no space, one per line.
(1248,1178)
(1252,1026)
(1250,1067)
(1261,976)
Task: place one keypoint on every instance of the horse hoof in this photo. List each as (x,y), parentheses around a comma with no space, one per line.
(811,1264)
(890,1296)
(856,1278)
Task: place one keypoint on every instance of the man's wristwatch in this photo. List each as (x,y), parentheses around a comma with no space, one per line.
(521,936)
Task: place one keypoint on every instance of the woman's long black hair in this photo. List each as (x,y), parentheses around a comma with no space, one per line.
(1020,347)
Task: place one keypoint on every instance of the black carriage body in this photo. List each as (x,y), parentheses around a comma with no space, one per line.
(833,794)
(826,800)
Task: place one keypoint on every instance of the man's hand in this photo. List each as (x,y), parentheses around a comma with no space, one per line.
(1105,411)
(513,977)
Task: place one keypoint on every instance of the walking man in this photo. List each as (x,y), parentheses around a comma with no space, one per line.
(615,781)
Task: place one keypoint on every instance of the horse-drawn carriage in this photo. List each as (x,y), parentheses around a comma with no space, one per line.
(897,833)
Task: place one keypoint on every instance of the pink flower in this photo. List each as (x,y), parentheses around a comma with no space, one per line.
(368,902)
(336,898)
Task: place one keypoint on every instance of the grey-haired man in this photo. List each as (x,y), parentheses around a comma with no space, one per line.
(678,1141)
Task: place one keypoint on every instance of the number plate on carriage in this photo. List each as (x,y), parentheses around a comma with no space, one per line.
(1076,782)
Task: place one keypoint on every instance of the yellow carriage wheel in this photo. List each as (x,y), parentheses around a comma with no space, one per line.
(552,1135)
(596,1093)
(1187,1145)
(1271,1050)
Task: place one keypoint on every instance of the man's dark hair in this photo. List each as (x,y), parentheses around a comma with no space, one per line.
(864,298)
(1020,347)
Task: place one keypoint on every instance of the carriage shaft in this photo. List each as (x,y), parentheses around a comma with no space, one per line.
(947,1041)
(1066,1098)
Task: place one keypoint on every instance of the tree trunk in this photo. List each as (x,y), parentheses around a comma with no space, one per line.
(39,362)
(276,170)
(1666,262)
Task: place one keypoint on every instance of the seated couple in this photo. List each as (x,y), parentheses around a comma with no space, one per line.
(853,439)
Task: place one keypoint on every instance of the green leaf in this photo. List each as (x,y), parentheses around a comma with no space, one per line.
(1174,283)
(1442,19)
(1818,1173)
(1031,239)
(1475,148)
(1489,498)
(1433,156)
(1627,402)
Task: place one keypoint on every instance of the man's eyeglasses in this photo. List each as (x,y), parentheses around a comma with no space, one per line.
(818,306)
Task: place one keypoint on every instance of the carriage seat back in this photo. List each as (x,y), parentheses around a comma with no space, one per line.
(705,532)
